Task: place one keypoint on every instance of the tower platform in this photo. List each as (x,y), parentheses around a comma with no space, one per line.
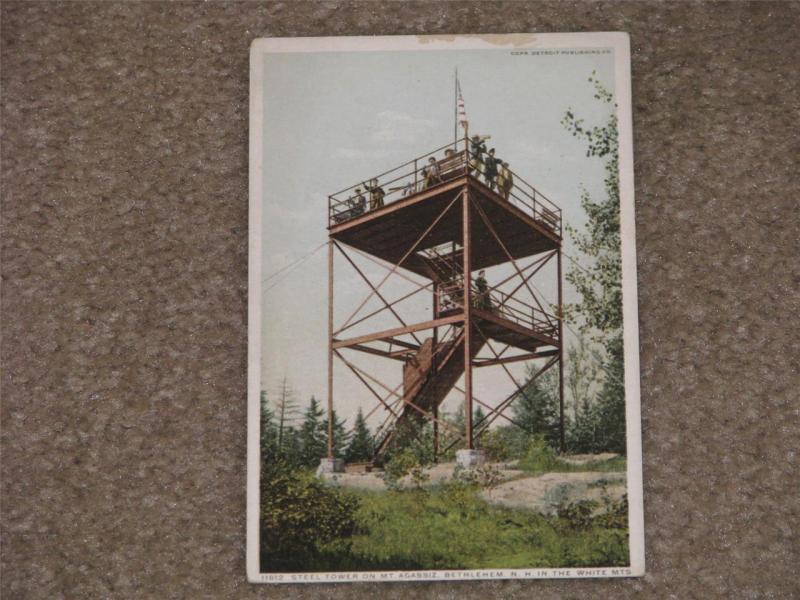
(387,232)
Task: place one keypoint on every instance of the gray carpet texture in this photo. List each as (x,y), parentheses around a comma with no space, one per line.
(124,291)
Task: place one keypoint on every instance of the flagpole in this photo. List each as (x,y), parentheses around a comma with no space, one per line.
(455,114)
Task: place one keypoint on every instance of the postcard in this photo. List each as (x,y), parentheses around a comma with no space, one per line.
(443,371)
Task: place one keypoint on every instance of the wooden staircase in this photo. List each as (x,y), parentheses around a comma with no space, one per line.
(428,377)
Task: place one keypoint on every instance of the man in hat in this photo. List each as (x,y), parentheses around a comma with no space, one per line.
(505,180)
(490,168)
(376,194)
(432,173)
(482,299)
(358,204)
(477,148)
(451,166)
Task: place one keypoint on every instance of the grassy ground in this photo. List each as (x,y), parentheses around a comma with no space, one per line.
(450,527)
(542,460)
(307,525)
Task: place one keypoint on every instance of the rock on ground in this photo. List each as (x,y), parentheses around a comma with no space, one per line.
(545,492)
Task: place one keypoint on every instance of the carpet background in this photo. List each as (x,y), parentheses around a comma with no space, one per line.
(124,263)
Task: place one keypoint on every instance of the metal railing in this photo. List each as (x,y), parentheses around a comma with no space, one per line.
(522,313)
(438,167)
(507,307)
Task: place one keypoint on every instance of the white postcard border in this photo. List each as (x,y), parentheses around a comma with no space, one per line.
(620,42)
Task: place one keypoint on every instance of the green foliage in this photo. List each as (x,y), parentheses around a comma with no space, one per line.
(301,446)
(584,514)
(450,527)
(536,408)
(419,476)
(502,443)
(600,427)
(291,448)
(582,376)
(415,437)
(611,400)
(269,430)
(600,286)
(599,424)
(403,463)
(577,514)
(484,477)
(285,414)
(309,526)
(303,521)
(313,434)
(615,514)
(478,416)
(340,436)
(540,457)
(362,444)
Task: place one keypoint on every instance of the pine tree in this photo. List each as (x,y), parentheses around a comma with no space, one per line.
(611,400)
(478,415)
(292,447)
(313,434)
(536,407)
(362,444)
(340,435)
(457,419)
(582,379)
(286,409)
(477,418)
(584,434)
(269,430)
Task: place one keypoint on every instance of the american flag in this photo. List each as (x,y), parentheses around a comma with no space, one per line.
(462,111)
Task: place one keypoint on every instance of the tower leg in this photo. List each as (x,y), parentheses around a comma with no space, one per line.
(467,249)
(330,351)
(562,439)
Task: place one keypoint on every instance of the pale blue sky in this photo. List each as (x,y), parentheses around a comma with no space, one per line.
(335,119)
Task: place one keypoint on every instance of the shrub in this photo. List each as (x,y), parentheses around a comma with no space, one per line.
(300,517)
(540,457)
(486,476)
(401,464)
(577,514)
(616,513)
(418,476)
(458,495)
(497,445)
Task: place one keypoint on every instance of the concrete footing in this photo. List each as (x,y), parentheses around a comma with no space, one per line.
(330,465)
(470,459)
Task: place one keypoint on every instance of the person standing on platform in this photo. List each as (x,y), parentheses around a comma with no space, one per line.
(477,148)
(360,203)
(376,194)
(432,173)
(451,165)
(490,168)
(505,180)
(482,299)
